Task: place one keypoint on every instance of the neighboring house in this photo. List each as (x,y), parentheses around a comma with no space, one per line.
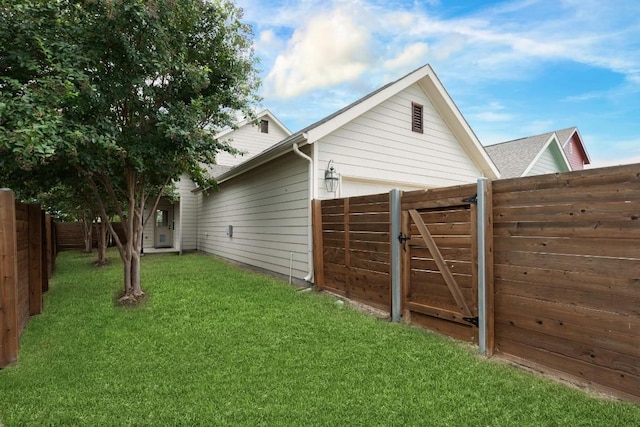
(408,134)
(533,155)
(573,146)
(174,225)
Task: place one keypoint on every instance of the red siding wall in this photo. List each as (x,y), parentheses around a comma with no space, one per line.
(574,153)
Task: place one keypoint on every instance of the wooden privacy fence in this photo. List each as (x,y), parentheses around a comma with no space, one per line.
(26,264)
(69,235)
(544,270)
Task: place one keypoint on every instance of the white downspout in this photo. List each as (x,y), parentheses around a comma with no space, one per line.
(296,149)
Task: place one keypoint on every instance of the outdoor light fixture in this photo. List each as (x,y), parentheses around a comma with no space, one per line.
(331,178)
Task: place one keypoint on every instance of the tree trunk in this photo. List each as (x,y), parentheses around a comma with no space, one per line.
(87,235)
(102,244)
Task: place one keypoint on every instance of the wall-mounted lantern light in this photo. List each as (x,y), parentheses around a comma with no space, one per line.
(331,178)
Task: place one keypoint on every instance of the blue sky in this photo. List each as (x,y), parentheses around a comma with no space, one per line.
(514,68)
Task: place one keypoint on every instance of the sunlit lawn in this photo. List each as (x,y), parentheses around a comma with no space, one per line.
(214,345)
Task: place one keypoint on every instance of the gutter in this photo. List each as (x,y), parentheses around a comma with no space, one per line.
(296,149)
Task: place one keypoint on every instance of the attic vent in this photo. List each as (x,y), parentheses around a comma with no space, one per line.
(416,117)
(264,126)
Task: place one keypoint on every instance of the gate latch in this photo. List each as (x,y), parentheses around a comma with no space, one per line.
(472,320)
(473,199)
(403,239)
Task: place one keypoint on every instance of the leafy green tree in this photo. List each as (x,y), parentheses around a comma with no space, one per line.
(127,92)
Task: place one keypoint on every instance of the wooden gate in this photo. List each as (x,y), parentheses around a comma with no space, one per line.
(439,260)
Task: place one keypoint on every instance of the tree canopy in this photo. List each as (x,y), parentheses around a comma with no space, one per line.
(125,95)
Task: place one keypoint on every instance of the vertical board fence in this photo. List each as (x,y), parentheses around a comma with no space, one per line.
(561,260)
(26,258)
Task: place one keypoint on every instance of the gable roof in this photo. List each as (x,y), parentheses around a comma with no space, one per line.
(564,137)
(428,81)
(516,158)
(265,114)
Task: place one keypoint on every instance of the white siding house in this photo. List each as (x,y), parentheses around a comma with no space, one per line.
(260,217)
(174,225)
(251,139)
(409,134)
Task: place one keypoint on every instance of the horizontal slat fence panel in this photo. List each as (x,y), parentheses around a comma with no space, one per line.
(567,273)
(69,235)
(355,249)
(565,267)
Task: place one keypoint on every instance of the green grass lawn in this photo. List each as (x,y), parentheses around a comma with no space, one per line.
(214,345)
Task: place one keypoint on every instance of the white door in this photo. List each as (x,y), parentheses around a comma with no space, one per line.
(164,228)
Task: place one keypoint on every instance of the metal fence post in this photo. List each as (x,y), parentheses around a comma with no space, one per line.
(482,276)
(396,277)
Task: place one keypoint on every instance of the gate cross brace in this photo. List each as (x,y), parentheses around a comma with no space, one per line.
(440,262)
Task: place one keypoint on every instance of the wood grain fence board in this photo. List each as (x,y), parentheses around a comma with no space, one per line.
(446,216)
(35,260)
(604,322)
(51,251)
(318,251)
(374,227)
(623,287)
(449,254)
(455,193)
(597,230)
(375,199)
(439,312)
(376,217)
(9,327)
(564,328)
(605,247)
(379,247)
(436,297)
(449,229)
(455,267)
(615,267)
(618,192)
(369,236)
(626,304)
(445,327)
(586,352)
(22,241)
(380,257)
(576,179)
(586,372)
(433,277)
(578,211)
(44,278)
(365,264)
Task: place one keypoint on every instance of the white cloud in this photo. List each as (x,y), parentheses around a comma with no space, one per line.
(327,50)
(412,56)
(492,112)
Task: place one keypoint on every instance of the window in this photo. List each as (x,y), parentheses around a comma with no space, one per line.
(416,117)
(162,218)
(264,126)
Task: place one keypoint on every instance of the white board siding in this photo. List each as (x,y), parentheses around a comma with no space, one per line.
(550,161)
(249,139)
(379,145)
(268,209)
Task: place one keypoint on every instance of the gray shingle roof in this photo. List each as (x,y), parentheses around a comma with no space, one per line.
(564,134)
(513,157)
